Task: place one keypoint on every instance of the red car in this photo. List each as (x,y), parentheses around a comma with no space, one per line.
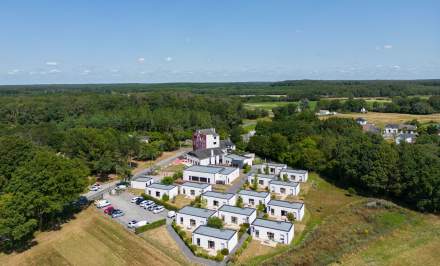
(109,210)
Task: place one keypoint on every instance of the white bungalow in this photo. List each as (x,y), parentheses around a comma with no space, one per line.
(272,168)
(213,239)
(211,174)
(295,175)
(237,160)
(158,190)
(279,209)
(276,231)
(263,180)
(253,198)
(235,216)
(141,182)
(189,217)
(192,189)
(284,188)
(215,200)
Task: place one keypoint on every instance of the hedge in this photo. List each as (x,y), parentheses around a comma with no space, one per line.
(160,202)
(153,225)
(240,250)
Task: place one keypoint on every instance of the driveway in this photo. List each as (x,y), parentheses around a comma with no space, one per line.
(131,210)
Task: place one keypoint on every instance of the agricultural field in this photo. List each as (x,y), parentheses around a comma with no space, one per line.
(381,119)
(91,239)
(269,105)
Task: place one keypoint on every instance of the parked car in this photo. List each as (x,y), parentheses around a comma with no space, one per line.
(133,200)
(142,204)
(132,223)
(148,204)
(140,223)
(121,187)
(152,206)
(117,213)
(171,214)
(138,201)
(158,209)
(103,203)
(109,210)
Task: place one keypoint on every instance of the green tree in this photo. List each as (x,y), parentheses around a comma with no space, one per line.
(168,180)
(255,183)
(291,217)
(239,202)
(165,197)
(215,222)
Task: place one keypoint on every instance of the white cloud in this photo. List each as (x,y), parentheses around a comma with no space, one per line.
(168,59)
(53,71)
(141,60)
(52,63)
(387,46)
(86,72)
(14,72)
(396,67)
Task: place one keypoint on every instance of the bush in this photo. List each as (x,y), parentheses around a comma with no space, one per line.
(215,222)
(168,180)
(165,197)
(225,251)
(150,226)
(219,256)
(160,202)
(351,191)
(291,217)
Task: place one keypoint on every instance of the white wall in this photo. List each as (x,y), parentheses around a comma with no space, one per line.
(227,179)
(171,193)
(186,190)
(219,243)
(187,174)
(273,170)
(256,200)
(241,219)
(294,191)
(221,202)
(295,177)
(212,141)
(262,182)
(187,218)
(140,184)
(297,213)
(262,232)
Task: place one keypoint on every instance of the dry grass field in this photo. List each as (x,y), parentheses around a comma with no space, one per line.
(381,119)
(91,239)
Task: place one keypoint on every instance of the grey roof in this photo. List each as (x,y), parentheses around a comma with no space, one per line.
(214,232)
(294,171)
(237,157)
(282,183)
(196,185)
(276,164)
(160,186)
(278,225)
(206,153)
(207,131)
(286,204)
(226,143)
(211,169)
(272,177)
(237,210)
(392,126)
(204,213)
(407,127)
(142,178)
(220,195)
(252,193)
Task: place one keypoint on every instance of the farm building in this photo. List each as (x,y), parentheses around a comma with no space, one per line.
(192,189)
(276,231)
(279,209)
(263,180)
(141,182)
(284,188)
(158,190)
(235,216)
(189,217)
(253,198)
(295,175)
(215,200)
(213,239)
(211,174)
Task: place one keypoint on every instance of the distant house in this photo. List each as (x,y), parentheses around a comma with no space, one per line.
(192,189)
(214,240)
(280,209)
(205,139)
(391,130)
(323,112)
(211,174)
(295,175)
(363,110)
(235,216)
(370,128)
(409,129)
(361,121)
(253,198)
(276,231)
(272,168)
(214,200)
(284,188)
(237,160)
(263,180)
(158,190)
(141,182)
(405,137)
(227,145)
(189,217)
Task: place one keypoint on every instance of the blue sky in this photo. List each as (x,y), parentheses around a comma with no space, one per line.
(228,40)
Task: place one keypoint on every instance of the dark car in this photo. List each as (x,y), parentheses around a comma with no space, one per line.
(117,213)
(138,201)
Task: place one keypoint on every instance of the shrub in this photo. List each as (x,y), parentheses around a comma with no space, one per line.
(219,256)
(291,217)
(168,180)
(150,226)
(215,222)
(351,191)
(239,202)
(165,197)
(225,251)
(265,216)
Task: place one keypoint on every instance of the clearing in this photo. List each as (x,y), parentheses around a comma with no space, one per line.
(381,119)
(91,239)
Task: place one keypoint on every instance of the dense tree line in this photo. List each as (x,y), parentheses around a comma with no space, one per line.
(339,150)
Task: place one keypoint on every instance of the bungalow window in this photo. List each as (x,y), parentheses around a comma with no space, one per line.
(181,220)
(234,219)
(257,233)
(272,211)
(282,238)
(192,222)
(270,236)
(157,194)
(261,182)
(215,203)
(184,192)
(211,244)
(198,241)
(192,192)
(149,192)
(282,190)
(283,213)
(251,201)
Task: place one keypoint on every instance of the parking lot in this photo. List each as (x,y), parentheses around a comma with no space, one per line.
(131,210)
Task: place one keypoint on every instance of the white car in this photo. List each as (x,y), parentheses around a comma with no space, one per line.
(158,209)
(133,200)
(142,204)
(121,187)
(171,214)
(95,187)
(132,223)
(103,203)
(140,223)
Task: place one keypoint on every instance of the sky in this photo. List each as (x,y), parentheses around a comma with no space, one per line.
(105,41)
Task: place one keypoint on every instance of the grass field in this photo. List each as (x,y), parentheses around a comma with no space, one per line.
(381,119)
(91,239)
(269,105)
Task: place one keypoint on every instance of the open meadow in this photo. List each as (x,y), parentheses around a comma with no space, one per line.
(381,119)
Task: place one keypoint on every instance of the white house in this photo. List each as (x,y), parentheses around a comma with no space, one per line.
(215,200)
(391,129)
(284,188)
(263,180)
(237,160)
(141,182)
(361,121)
(254,198)
(280,232)
(205,157)
(272,168)
(205,139)
(189,217)
(235,216)
(405,137)
(280,208)
(211,174)
(192,189)
(213,239)
(295,175)
(158,190)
